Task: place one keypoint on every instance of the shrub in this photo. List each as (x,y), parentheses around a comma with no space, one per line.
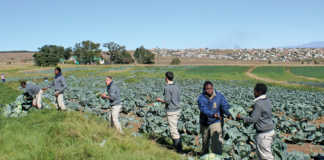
(87,51)
(49,55)
(118,53)
(144,56)
(69,62)
(315,61)
(175,61)
(124,57)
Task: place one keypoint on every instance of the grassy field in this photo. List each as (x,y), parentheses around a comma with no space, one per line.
(292,77)
(315,72)
(276,73)
(195,72)
(219,72)
(7,94)
(49,134)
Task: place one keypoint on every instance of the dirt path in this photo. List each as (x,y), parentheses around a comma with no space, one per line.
(304,77)
(268,80)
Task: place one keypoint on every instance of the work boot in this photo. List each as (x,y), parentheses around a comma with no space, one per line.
(177,145)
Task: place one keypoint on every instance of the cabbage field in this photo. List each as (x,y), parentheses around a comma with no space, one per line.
(294,112)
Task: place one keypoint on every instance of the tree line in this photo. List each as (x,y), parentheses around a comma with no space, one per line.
(88,52)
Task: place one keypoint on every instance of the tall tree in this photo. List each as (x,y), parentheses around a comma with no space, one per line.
(144,56)
(86,51)
(49,55)
(67,53)
(118,54)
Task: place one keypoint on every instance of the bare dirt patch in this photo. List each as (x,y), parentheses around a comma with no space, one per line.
(318,121)
(16,58)
(306,148)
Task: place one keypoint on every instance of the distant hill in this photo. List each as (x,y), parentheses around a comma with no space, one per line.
(14,57)
(316,44)
(17,51)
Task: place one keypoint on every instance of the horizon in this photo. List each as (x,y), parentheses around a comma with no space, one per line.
(170,25)
(103,49)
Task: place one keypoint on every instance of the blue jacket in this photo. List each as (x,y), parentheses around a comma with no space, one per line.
(209,106)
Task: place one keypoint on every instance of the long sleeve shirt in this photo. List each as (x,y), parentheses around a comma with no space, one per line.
(59,84)
(209,106)
(172,97)
(32,89)
(261,115)
(114,94)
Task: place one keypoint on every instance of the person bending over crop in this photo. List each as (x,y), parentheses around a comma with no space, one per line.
(262,119)
(59,86)
(172,104)
(115,101)
(34,91)
(212,106)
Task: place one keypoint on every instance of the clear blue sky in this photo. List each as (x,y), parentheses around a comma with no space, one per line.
(30,24)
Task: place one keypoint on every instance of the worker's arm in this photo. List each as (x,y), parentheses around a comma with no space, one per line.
(255,116)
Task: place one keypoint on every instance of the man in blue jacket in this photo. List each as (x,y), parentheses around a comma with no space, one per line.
(212,106)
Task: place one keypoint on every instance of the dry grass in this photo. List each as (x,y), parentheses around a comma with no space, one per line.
(16,58)
(26,58)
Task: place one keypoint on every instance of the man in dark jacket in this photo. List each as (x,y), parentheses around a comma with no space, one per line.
(212,106)
(172,104)
(263,123)
(59,86)
(34,91)
(115,101)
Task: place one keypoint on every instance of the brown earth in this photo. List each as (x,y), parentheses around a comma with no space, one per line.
(208,61)
(306,148)
(26,58)
(318,121)
(16,58)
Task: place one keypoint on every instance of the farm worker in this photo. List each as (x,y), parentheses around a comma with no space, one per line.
(59,85)
(212,105)
(34,91)
(172,103)
(262,118)
(115,102)
(3,79)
